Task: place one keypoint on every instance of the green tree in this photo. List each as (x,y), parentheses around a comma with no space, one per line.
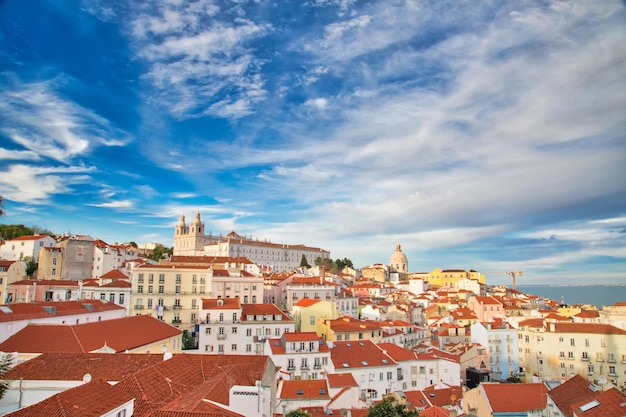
(304,262)
(31,265)
(387,408)
(297,413)
(159,252)
(11,231)
(133,244)
(6,361)
(188,340)
(339,264)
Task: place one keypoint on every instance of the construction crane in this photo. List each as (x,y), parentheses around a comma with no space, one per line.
(513,274)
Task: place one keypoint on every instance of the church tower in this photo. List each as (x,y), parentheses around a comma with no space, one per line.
(189,239)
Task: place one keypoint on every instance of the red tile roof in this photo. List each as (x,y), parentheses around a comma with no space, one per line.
(606,404)
(220,303)
(515,397)
(73,366)
(26,311)
(114,274)
(95,398)
(118,334)
(306,302)
(358,354)
(30,237)
(571,391)
(341,380)
(171,381)
(591,328)
(262,310)
(313,389)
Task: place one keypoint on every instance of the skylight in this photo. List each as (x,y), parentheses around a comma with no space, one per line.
(589,405)
(364,363)
(345,365)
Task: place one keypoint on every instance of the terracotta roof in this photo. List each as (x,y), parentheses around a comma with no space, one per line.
(571,391)
(29,311)
(358,354)
(220,303)
(606,404)
(306,302)
(341,380)
(515,397)
(95,398)
(313,389)
(262,309)
(591,328)
(73,366)
(118,334)
(114,274)
(486,300)
(183,375)
(30,237)
(435,411)
(301,336)
(588,314)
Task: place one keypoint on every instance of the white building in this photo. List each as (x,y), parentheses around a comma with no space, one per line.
(500,340)
(25,246)
(228,327)
(300,356)
(108,257)
(192,240)
(372,368)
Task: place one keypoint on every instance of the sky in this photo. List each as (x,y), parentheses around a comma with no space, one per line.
(483,135)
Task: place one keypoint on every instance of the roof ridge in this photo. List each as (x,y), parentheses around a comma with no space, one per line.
(80,344)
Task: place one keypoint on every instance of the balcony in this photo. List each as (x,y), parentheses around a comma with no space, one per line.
(611,360)
(176,321)
(585,359)
(599,359)
(291,368)
(221,336)
(138,307)
(259,339)
(304,368)
(177,307)
(317,366)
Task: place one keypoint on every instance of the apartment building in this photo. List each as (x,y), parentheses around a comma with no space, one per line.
(25,246)
(300,356)
(173,291)
(316,288)
(10,272)
(557,351)
(229,327)
(501,342)
(485,307)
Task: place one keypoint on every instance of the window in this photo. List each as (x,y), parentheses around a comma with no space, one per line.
(150,278)
(570,355)
(561,355)
(312,320)
(161,278)
(178,278)
(389,376)
(150,289)
(207,330)
(140,278)
(612,370)
(572,342)
(234,330)
(111,298)
(177,289)
(140,289)
(220,348)
(248,332)
(161,289)
(277,331)
(102,296)
(149,303)
(585,356)
(248,348)
(233,347)
(587,343)
(234,317)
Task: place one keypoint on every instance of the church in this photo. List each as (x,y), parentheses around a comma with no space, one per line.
(191,240)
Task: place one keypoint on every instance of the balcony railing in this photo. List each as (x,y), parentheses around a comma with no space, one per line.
(291,368)
(221,336)
(177,321)
(317,366)
(138,307)
(177,307)
(304,367)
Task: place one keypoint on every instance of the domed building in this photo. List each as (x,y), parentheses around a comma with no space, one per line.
(398,261)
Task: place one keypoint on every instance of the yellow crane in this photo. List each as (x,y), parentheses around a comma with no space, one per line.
(513,274)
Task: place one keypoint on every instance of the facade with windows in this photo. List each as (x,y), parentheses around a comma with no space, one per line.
(557,351)
(501,343)
(229,327)
(300,356)
(25,246)
(191,240)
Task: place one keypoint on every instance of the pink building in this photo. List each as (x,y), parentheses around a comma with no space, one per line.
(485,307)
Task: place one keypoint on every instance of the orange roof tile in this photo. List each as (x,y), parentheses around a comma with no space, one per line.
(358,354)
(306,302)
(341,380)
(573,390)
(118,334)
(306,389)
(26,311)
(608,403)
(515,397)
(220,303)
(95,398)
(591,328)
(115,274)
(73,366)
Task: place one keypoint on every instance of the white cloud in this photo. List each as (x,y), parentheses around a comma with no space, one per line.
(44,122)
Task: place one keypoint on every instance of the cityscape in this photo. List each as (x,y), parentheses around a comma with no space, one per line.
(381,208)
(237,326)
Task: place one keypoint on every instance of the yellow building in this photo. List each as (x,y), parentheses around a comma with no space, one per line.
(447,278)
(50,264)
(307,312)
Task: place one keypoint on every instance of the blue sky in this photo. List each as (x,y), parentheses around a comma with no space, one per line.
(481,135)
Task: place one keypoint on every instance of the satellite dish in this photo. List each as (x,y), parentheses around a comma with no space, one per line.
(87,377)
